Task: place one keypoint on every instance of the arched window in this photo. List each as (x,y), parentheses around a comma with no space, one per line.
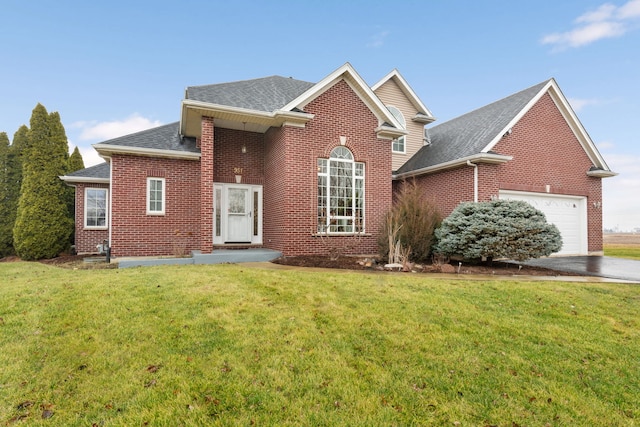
(340,193)
(398,144)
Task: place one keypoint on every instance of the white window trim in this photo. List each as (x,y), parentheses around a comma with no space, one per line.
(403,122)
(327,174)
(164,195)
(106,202)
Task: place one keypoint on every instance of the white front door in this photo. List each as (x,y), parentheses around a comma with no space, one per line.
(237,213)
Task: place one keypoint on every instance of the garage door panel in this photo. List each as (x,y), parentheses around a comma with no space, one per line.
(568,213)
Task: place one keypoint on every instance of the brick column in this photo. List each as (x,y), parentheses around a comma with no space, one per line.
(206,185)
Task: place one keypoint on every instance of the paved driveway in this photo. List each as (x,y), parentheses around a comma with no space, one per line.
(601,266)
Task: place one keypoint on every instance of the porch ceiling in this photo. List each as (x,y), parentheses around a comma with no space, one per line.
(236,118)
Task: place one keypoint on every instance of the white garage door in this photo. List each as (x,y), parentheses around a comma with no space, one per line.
(568,213)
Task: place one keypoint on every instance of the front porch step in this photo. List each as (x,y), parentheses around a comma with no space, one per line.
(218,256)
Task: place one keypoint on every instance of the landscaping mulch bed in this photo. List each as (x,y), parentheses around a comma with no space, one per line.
(345,263)
(358,263)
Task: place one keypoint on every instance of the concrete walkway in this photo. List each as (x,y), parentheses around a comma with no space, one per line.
(218,256)
(599,266)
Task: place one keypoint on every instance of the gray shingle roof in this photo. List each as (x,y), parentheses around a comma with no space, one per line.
(100,170)
(470,133)
(164,137)
(264,94)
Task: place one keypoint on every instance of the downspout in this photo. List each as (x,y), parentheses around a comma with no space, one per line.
(475,180)
(109,210)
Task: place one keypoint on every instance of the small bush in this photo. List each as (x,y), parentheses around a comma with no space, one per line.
(498,229)
(412,220)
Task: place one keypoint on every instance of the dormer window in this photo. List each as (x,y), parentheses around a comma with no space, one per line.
(398,145)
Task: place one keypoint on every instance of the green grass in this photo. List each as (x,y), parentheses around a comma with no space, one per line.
(622,251)
(228,345)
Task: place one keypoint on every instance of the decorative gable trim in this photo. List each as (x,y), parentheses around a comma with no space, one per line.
(570,117)
(388,128)
(424,115)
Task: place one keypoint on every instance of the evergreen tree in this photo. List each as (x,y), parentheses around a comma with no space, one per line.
(6,235)
(509,229)
(43,225)
(75,161)
(9,207)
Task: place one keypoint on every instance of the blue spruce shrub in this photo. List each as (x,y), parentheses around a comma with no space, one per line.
(508,229)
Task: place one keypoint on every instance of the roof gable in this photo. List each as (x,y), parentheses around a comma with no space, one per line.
(256,105)
(352,78)
(424,114)
(477,132)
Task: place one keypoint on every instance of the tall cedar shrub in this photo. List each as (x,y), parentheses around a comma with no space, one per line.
(508,229)
(13,181)
(6,235)
(75,163)
(415,217)
(43,225)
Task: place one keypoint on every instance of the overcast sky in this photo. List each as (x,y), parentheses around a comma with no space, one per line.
(111,68)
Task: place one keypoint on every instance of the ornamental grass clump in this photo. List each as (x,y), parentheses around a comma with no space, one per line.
(508,229)
(410,225)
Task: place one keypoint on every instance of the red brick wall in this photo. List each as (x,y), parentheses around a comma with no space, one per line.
(231,161)
(206,184)
(449,188)
(545,152)
(134,233)
(290,191)
(87,239)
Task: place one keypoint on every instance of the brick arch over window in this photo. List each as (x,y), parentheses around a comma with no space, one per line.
(341,195)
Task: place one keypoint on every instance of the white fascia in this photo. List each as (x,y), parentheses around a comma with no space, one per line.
(349,74)
(600,173)
(489,158)
(108,150)
(391,133)
(569,115)
(273,118)
(84,179)
(409,93)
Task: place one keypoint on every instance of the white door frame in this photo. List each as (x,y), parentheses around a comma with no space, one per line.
(221,213)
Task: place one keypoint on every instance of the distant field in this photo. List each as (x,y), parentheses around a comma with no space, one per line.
(622,245)
(622,239)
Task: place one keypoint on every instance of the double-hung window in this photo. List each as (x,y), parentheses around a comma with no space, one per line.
(340,193)
(155,196)
(95,208)
(399,144)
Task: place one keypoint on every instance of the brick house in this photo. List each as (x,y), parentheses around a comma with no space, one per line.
(295,166)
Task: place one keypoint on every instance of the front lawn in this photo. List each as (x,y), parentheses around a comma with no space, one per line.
(623,251)
(231,345)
